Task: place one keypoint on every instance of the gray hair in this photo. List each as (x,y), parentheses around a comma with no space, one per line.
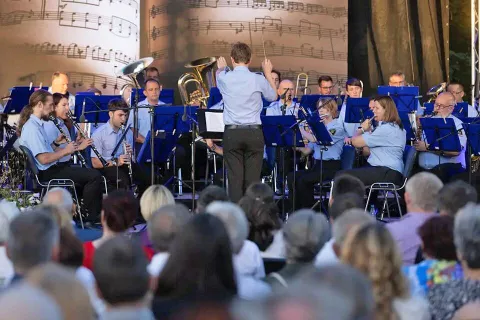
(305,233)
(467,235)
(59,197)
(153,198)
(346,221)
(164,224)
(423,190)
(8,211)
(234,220)
(32,237)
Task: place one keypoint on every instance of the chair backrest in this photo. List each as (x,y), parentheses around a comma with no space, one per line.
(273,264)
(30,160)
(348,157)
(409,156)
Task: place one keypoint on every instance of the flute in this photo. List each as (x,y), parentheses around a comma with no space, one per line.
(77,153)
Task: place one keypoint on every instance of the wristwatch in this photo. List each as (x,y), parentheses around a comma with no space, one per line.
(214,146)
(56,144)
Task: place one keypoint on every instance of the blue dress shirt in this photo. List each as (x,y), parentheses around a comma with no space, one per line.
(349,128)
(53,133)
(105,140)
(143,118)
(334,151)
(35,138)
(275,109)
(242,92)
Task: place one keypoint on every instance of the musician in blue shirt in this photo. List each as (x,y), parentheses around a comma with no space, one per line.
(305,180)
(383,145)
(47,153)
(243,141)
(354,89)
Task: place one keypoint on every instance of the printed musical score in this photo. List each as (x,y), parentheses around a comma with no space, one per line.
(77,52)
(272,5)
(116,25)
(131,3)
(312,74)
(265,24)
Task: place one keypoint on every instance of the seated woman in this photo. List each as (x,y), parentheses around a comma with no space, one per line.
(383,145)
(305,180)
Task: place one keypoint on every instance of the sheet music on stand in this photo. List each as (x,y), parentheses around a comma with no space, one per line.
(405,98)
(210,124)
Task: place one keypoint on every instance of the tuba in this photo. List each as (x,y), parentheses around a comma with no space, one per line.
(435,91)
(203,77)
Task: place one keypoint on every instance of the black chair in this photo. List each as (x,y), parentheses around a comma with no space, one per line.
(273,264)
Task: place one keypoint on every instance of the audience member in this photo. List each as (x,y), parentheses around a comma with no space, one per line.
(371,249)
(445,299)
(440,264)
(247,261)
(470,311)
(163,226)
(199,269)
(119,211)
(60,283)
(120,270)
(304,234)
(259,205)
(25,302)
(61,217)
(345,183)
(33,239)
(421,192)
(208,195)
(454,196)
(8,211)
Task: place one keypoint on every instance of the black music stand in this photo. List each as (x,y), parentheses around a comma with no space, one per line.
(283,132)
(472,131)
(210,123)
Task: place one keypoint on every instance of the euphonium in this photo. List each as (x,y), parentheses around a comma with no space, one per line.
(203,78)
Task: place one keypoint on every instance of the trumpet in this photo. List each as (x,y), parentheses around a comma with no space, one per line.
(77,153)
(84,136)
(130,172)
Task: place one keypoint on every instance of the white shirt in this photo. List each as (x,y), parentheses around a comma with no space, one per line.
(159,260)
(277,248)
(326,256)
(144,122)
(6,268)
(86,277)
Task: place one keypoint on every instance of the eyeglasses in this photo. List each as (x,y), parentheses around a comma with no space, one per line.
(441,106)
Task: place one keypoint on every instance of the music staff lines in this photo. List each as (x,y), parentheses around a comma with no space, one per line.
(292,74)
(131,3)
(118,26)
(266,24)
(73,51)
(272,5)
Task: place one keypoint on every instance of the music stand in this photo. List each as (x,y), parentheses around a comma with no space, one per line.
(407,125)
(94,108)
(283,132)
(309,101)
(214,98)
(460,110)
(357,110)
(210,124)
(472,132)
(164,146)
(441,134)
(405,98)
(18,99)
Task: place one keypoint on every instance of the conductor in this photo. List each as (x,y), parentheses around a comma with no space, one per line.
(243,141)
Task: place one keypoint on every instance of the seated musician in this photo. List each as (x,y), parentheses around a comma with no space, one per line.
(305,180)
(383,145)
(60,85)
(456,88)
(354,89)
(325,85)
(105,139)
(60,109)
(443,164)
(47,154)
(285,105)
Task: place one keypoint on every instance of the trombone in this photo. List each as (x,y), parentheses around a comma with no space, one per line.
(301,84)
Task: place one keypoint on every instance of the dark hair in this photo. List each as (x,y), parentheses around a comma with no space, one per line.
(117,104)
(455,83)
(120,270)
(345,202)
(354,82)
(71,249)
(278,74)
(36,97)
(200,262)
(151,69)
(391,112)
(262,214)
(241,52)
(437,237)
(210,194)
(152,80)
(94,90)
(454,196)
(345,183)
(120,209)
(57,97)
(324,78)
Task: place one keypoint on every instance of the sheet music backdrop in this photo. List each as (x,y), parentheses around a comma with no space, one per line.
(90,38)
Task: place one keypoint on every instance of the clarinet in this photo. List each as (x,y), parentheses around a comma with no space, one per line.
(77,153)
(130,173)
(84,136)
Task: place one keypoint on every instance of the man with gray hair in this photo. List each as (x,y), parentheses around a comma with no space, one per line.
(421,194)
(304,234)
(33,239)
(162,228)
(60,197)
(247,260)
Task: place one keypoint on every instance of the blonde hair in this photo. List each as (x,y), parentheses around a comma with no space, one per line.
(372,250)
(330,105)
(153,198)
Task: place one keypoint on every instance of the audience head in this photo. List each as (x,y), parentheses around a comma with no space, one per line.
(345,183)
(210,194)
(165,223)
(200,261)
(305,233)
(262,214)
(345,202)
(454,196)
(153,198)
(371,249)
(421,192)
(61,284)
(8,211)
(71,249)
(62,218)
(60,197)
(25,302)
(33,239)
(120,270)
(234,220)
(467,236)
(437,238)
(119,211)
(349,219)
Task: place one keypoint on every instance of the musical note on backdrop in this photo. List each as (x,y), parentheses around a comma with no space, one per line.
(77,52)
(292,74)
(265,24)
(131,3)
(116,25)
(272,5)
